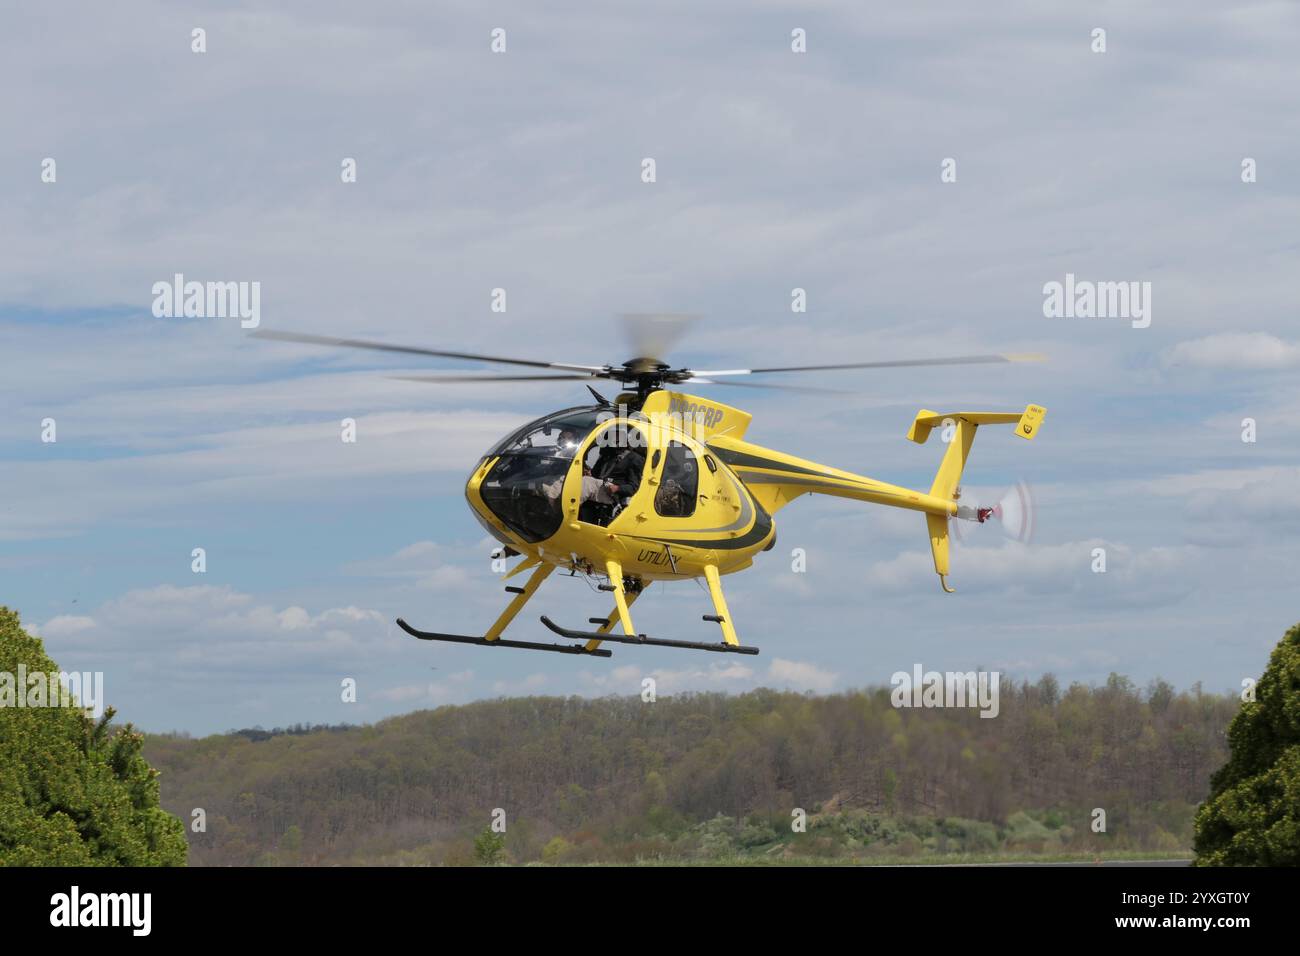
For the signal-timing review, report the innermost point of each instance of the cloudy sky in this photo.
(522, 170)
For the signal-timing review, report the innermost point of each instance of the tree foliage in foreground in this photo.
(73, 791)
(1252, 817)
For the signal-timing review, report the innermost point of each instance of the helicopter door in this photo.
(612, 473)
(679, 485)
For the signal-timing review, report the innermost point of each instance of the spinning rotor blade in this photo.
(652, 335)
(768, 385)
(471, 379)
(306, 339)
(897, 363)
(1015, 512)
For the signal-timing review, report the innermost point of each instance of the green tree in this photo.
(291, 845)
(1252, 817)
(556, 850)
(72, 792)
(889, 787)
(489, 847)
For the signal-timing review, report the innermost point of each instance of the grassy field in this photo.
(950, 859)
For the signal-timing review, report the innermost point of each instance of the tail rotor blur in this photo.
(1015, 512)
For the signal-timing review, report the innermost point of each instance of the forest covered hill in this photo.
(709, 777)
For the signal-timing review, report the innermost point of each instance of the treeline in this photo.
(259, 734)
(708, 776)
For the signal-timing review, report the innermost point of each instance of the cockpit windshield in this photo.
(558, 434)
(523, 488)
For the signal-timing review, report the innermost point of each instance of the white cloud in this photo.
(801, 675)
(452, 689)
(64, 625)
(63, 495)
(407, 693)
(626, 679)
(531, 684)
(1152, 575)
(1236, 350)
(205, 627)
(733, 675)
(442, 569)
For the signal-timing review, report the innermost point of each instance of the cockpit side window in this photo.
(679, 484)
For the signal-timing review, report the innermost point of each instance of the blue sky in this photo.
(521, 170)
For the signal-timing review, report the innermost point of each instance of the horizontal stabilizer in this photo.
(1027, 422)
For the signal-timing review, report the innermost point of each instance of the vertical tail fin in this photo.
(948, 478)
(937, 526)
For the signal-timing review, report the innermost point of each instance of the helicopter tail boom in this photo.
(775, 478)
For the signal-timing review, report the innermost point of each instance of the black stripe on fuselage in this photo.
(740, 459)
(747, 462)
(761, 527)
(744, 460)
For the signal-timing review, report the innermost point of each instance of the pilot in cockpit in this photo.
(567, 446)
(622, 467)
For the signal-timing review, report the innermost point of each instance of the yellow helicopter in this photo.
(661, 485)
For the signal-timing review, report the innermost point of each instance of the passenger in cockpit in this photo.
(622, 468)
(592, 489)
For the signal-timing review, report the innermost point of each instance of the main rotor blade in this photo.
(471, 379)
(767, 385)
(306, 339)
(897, 363)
